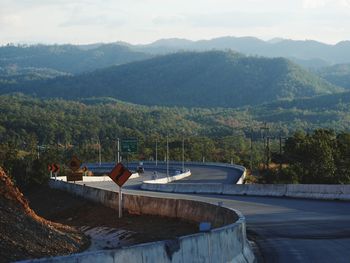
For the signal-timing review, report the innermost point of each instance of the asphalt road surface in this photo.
(285, 229)
(207, 174)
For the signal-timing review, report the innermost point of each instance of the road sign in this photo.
(120, 174)
(129, 146)
(75, 176)
(55, 168)
(74, 163)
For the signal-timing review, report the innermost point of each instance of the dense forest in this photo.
(189, 79)
(227, 107)
(35, 132)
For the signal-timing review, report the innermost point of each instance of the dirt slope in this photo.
(24, 235)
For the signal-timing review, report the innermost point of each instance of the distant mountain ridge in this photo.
(75, 59)
(68, 58)
(298, 49)
(190, 79)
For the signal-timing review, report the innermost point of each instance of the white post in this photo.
(50, 174)
(120, 201)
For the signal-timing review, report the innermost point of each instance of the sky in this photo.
(144, 21)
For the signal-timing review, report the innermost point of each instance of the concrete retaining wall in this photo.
(169, 179)
(312, 191)
(225, 243)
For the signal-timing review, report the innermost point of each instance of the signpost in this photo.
(120, 175)
(53, 169)
(74, 165)
(129, 146)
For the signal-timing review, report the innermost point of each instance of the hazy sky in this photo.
(143, 21)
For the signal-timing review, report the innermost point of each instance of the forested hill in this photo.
(337, 74)
(190, 79)
(68, 58)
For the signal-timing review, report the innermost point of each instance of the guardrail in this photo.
(226, 242)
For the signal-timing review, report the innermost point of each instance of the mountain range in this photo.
(305, 52)
(81, 58)
(190, 79)
(67, 58)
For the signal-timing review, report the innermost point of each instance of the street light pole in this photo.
(118, 149)
(266, 138)
(167, 156)
(156, 152)
(99, 151)
(251, 150)
(183, 154)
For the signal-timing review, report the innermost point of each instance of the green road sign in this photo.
(128, 146)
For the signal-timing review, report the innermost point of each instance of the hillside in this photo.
(67, 58)
(25, 235)
(190, 79)
(326, 111)
(338, 75)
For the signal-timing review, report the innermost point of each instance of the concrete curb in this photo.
(227, 243)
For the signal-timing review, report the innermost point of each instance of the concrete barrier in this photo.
(320, 191)
(227, 242)
(95, 178)
(169, 179)
(314, 191)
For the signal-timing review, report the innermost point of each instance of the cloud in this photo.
(312, 4)
(86, 21)
(239, 19)
(10, 21)
(169, 20)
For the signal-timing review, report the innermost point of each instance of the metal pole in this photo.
(251, 151)
(118, 149)
(99, 151)
(167, 156)
(183, 154)
(268, 152)
(120, 202)
(280, 152)
(156, 152)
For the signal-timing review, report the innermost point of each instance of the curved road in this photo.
(285, 229)
(207, 174)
